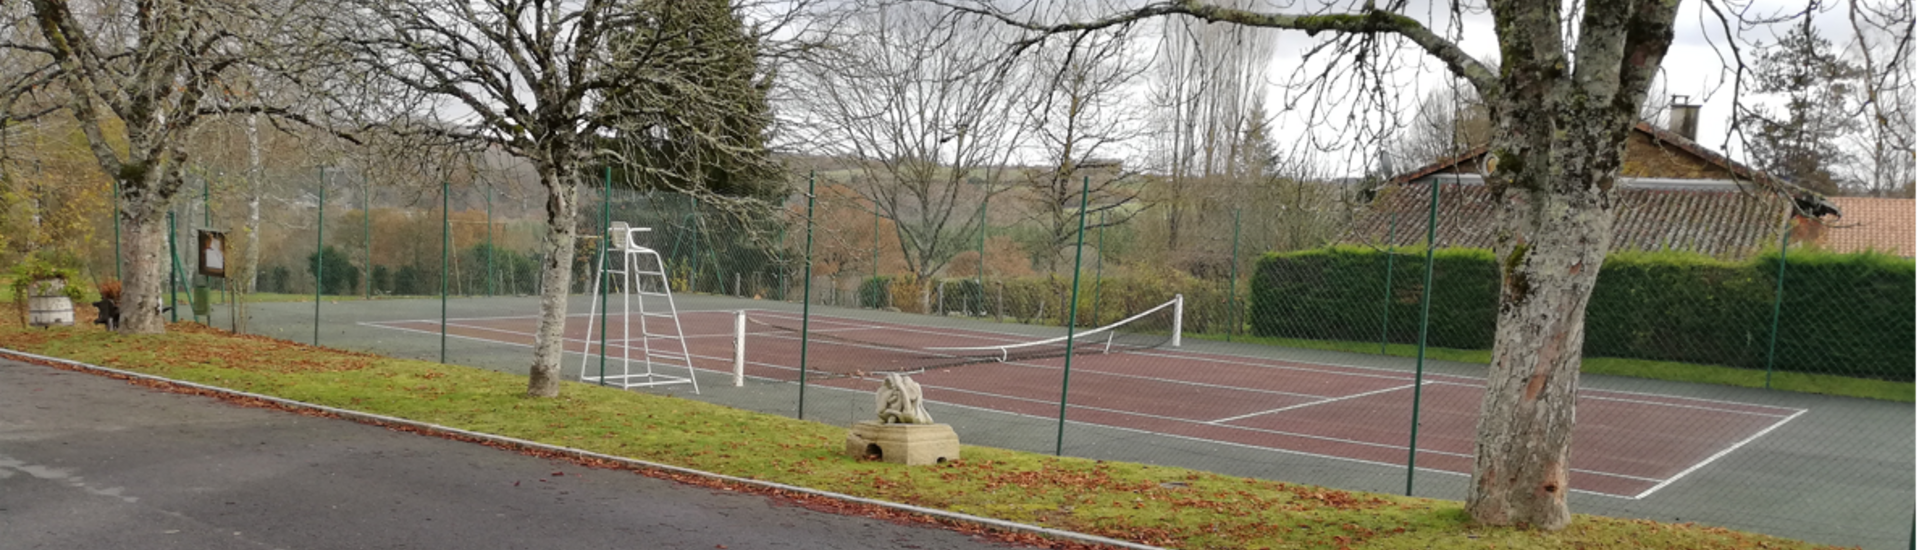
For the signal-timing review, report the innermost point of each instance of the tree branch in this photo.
(1374, 21)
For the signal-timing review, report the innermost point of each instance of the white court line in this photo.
(1674, 405)
(1016, 337)
(1309, 367)
(1717, 456)
(1319, 402)
(1400, 376)
(784, 336)
(1101, 409)
(1161, 434)
(609, 340)
(1264, 362)
(436, 320)
(1024, 364)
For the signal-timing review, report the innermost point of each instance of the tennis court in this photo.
(1626, 445)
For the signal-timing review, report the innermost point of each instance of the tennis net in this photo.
(845, 347)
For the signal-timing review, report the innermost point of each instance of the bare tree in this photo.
(1082, 117)
(926, 115)
(536, 79)
(1450, 120)
(1210, 78)
(140, 79)
(1567, 94)
(1882, 45)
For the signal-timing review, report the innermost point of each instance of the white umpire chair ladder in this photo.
(642, 276)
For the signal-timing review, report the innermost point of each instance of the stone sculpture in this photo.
(904, 434)
(898, 401)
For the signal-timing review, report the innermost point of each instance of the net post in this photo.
(739, 348)
(1179, 316)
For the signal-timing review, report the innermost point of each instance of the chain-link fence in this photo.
(1729, 389)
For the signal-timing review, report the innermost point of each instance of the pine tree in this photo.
(720, 94)
(1801, 141)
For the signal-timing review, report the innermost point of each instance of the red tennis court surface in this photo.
(1625, 444)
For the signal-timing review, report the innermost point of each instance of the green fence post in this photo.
(206, 220)
(980, 277)
(1099, 269)
(489, 240)
(606, 247)
(319, 257)
(1778, 298)
(173, 276)
(446, 243)
(1072, 319)
(806, 296)
(877, 302)
(1425, 312)
(1232, 283)
(366, 212)
(1386, 304)
(117, 274)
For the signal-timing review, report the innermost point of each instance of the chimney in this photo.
(1685, 118)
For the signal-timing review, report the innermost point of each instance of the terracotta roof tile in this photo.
(1470, 159)
(1725, 223)
(1883, 225)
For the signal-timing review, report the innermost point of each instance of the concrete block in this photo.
(909, 444)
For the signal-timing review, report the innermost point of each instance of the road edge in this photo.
(495, 440)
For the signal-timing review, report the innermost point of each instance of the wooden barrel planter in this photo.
(48, 304)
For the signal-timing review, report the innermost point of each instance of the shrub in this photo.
(876, 292)
(412, 280)
(382, 280)
(339, 277)
(277, 279)
(1847, 314)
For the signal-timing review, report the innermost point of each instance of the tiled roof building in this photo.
(1652, 215)
(1867, 223)
(1674, 195)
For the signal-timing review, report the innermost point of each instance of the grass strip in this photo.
(1823, 384)
(1163, 506)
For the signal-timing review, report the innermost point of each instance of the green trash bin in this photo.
(202, 303)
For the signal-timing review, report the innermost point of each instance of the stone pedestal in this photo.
(909, 444)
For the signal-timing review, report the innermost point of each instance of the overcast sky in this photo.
(1692, 66)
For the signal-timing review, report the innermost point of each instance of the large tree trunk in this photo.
(1525, 428)
(1554, 175)
(145, 231)
(556, 278)
(1556, 152)
(252, 265)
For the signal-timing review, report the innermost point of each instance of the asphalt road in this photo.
(92, 462)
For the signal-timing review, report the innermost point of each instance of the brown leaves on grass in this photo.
(256, 353)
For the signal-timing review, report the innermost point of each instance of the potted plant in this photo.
(43, 293)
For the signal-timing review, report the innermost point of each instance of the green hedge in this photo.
(1340, 293)
(1845, 314)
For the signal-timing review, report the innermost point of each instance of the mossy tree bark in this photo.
(1561, 114)
(556, 276)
